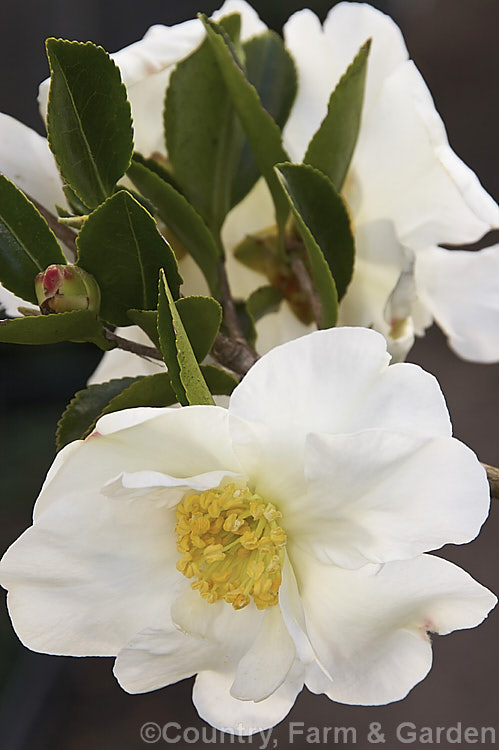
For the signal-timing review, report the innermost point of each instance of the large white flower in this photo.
(274, 544)
(406, 189)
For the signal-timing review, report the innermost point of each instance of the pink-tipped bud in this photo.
(66, 288)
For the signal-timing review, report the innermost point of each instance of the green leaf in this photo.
(326, 214)
(201, 317)
(148, 321)
(158, 167)
(203, 135)
(317, 209)
(185, 375)
(219, 382)
(331, 149)
(271, 70)
(181, 218)
(80, 415)
(262, 132)
(79, 325)
(27, 245)
(121, 247)
(89, 119)
(262, 301)
(88, 405)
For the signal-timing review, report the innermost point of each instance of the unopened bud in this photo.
(65, 288)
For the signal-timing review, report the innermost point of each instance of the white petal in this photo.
(348, 26)
(25, 158)
(9, 303)
(377, 496)
(251, 24)
(164, 489)
(265, 666)
(254, 214)
(120, 364)
(219, 623)
(180, 442)
(461, 289)
(322, 57)
(317, 77)
(378, 264)
(89, 593)
(369, 626)
(277, 327)
(293, 614)
(155, 658)
(211, 696)
(408, 173)
(338, 381)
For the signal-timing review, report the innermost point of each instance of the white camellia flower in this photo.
(407, 190)
(276, 543)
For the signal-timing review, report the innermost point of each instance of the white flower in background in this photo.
(407, 190)
(274, 544)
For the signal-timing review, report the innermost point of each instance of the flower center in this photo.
(233, 546)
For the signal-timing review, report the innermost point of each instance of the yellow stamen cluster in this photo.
(232, 544)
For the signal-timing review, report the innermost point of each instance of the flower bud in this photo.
(65, 288)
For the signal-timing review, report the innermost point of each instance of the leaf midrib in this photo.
(82, 132)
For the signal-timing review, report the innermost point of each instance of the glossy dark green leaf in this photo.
(201, 317)
(27, 245)
(87, 406)
(181, 218)
(271, 70)
(331, 149)
(121, 247)
(158, 167)
(148, 321)
(261, 131)
(326, 215)
(89, 119)
(185, 375)
(79, 325)
(80, 415)
(203, 135)
(316, 208)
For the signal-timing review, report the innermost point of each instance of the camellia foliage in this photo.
(275, 187)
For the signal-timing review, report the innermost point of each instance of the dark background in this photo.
(74, 704)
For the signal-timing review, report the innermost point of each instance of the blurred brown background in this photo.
(65, 704)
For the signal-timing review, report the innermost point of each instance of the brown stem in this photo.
(493, 477)
(229, 308)
(64, 233)
(304, 280)
(235, 354)
(232, 356)
(132, 346)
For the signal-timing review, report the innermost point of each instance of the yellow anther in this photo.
(233, 523)
(232, 545)
(278, 537)
(249, 540)
(213, 552)
(271, 513)
(255, 569)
